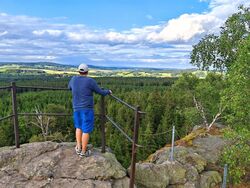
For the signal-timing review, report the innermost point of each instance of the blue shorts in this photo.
(84, 120)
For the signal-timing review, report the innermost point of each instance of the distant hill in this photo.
(91, 66)
(50, 68)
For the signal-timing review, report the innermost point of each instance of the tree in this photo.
(206, 53)
(237, 94)
(44, 123)
(235, 30)
(219, 52)
(207, 98)
(197, 96)
(60, 122)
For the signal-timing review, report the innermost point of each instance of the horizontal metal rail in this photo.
(44, 88)
(66, 89)
(123, 102)
(6, 87)
(126, 104)
(120, 129)
(44, 114)
(48, 114)
(6, 117)
(141, 112)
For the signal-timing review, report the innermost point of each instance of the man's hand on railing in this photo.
(110, 92)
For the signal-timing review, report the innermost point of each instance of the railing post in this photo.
(103, 118)
(172, 146)
(15, 114)
(135, 140)
(224, 183)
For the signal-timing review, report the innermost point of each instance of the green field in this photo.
(65, 70)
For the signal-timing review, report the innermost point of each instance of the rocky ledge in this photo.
(49, 164)
(195, 165)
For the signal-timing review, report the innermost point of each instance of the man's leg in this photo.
(78, 137)
(85, 140)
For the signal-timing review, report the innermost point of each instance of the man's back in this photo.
(82, 90)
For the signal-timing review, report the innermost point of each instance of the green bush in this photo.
(55, 137)
(237, 154)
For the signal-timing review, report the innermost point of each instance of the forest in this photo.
(184, 102)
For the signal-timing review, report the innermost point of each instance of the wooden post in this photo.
(15, 114)
(103, 118)
(135, 141)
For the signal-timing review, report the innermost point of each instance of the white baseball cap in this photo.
(83, 68)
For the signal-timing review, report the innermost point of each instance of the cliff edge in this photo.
(50, 164)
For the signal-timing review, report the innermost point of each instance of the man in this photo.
(82, 88)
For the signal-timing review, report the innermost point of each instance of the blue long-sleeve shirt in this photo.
(82, 88)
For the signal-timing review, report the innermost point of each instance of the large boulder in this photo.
(49, 164)
(184, 156)
(210, 179)
(151, 175)
(209, 147)
(196, 159)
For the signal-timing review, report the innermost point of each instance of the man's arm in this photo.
(98, 90)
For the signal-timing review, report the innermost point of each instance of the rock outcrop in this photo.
(49, 164)
(195, 165)
(52, 165)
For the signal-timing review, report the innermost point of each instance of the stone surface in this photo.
(49, 164)
(150, 175)
(186, 185)
(121, 183)
(209, 147)
(176, 172)
(184, 156)
(159, 175)
(192, 174)
(210, 179)
(195, 165)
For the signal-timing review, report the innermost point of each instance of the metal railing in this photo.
(103, 116)
(134, 141)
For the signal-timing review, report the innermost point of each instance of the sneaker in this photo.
(87, 153)
(78, 151)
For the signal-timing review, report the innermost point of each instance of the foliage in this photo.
(237, 94)
(235, 30)
(229, 51)
(56, 137)
(237, 155)
(237, 99)
(205, 54)
(219, 52)
(207, 92)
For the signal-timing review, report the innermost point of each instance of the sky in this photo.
(116, 33)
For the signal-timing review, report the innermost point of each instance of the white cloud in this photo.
(37, 57)
(184, 28)
(188, 27)
(52, 32)
(3, 33)
(166, 44)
